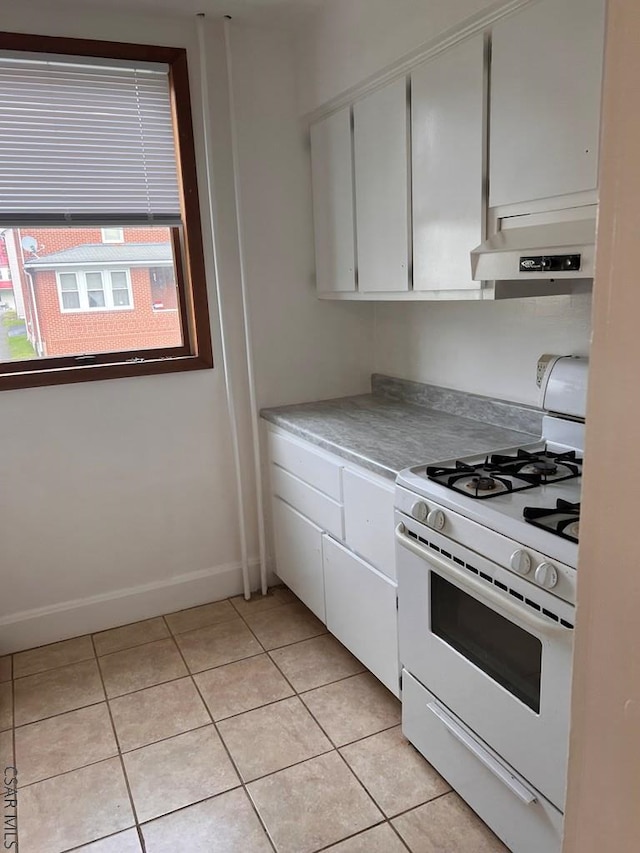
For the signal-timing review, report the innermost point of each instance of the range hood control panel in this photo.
(550, 263)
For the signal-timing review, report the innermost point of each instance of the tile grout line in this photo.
(61, 714)
(334, 749)
(190, 674)
(242, 783)
(54, 668)
(360, 832)
(171, 635)
(423, 803)
(121, 759)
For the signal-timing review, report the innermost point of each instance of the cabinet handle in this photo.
(484, 757)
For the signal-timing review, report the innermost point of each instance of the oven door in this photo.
(487, 644)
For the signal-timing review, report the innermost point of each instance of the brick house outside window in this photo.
(92, 292)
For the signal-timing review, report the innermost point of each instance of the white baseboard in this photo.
(44, 625)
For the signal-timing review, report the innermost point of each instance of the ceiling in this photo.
(280, 11)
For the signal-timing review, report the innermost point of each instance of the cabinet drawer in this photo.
(525, 828)
(368, 519)
(361, 611)
(320, 509)
(315, 468)
(298, 544)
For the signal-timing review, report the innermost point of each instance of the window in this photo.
(99, 212)
(112, 235)
(102, 290)
(163, 289)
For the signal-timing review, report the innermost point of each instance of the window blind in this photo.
(86, 144)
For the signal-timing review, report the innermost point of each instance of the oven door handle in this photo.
(477, 587)
(484, 756)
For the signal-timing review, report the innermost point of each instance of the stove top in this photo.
(512, 472)
(523, 493)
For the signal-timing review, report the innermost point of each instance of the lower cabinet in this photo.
(299, 556)
(368, 519)
(334, 548)
(361, 611)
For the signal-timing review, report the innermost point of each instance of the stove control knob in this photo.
(436, 519)
(547, 575)
(420, 511)
(521, 562)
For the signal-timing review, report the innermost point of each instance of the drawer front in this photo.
(465, 762)
(320, 509)
(315, 468)
(361, 611)
(369, 519)
(298, 545)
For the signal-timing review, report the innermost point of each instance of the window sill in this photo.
(102, 310)
(96, 372)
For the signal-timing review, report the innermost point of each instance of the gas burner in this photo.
(481, 486)
(550, 467)
(485, 480)
(543, 466)
(484, 484)
(564, 520)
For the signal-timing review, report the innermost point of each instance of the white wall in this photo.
(304, 349)
(118, 498)
(486, 348)
(351, 40)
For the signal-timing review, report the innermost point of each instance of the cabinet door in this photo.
(447, 132)
(546, 81)
(382, 189)
(361, 612)
(332, 178)
(368, 518)
(298, 544)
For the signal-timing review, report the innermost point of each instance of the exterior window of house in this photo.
(99, 213)
(163, 289)
(69, 293)
(112, 235)
(105, 290)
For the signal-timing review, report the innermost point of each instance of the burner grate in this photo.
(563, 520)
(549, 467)
(485, 480)
(500, 473)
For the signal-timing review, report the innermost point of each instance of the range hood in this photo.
(546, 247)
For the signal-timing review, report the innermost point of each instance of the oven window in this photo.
(506, 652)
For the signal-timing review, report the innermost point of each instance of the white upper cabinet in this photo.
(448, 104)
(332, 177)
(382, 189)
(546, 80)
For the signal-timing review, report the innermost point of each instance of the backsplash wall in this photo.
(488, 348)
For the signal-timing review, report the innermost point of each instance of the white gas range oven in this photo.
(486, 555)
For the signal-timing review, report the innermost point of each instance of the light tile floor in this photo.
(235, 727)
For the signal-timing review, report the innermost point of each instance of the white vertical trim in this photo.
(255, 425)
(214, 219)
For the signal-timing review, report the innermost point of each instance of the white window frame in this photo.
(119, 239)
(107, 285)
